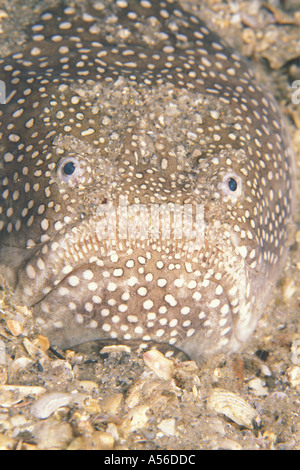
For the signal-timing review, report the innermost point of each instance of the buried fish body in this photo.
(146, 180)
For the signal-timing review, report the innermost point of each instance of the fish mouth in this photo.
(82, 287)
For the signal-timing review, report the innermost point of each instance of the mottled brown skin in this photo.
(140, 102)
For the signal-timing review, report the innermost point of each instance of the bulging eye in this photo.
(231, 185)
(71, 170)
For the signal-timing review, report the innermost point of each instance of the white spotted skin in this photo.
(142, 101)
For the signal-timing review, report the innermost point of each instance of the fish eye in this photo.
(231, 185)
(70, 170)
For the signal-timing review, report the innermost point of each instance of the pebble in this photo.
(295, 350)
(98, 441)
(19, 364)
(52, 434)
(229, 444)
(258, 387)
(293, 374)
(88, 386)
(168, 426)
(6, 443)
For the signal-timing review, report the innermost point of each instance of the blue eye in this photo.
(69, 168)
(232, 184)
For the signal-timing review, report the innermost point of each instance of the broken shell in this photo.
(42, 342)
(136, 418)
(288, 289)
(34, 351)
(115, 348)
(46, 405)
(234, 407)
(3, 374)
(112, 403)
(158, 363)
(6, 443)
(3, 14)
(24, 390)
(19, 364)
(15, 327)
(10, 395)
(92, 406)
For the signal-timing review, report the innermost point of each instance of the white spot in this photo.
(111, 286)
(132, 281)
(197, 296)
(178, 282)
(214, 303)
(106, 327)
(185, 310)
(225, 309)
(79, 319)
(30, 271)
(142, 291)
(132, 319)
(88, 275)
(160, 333)
(148, 304)
(192, 284)
(161, 282)
(73, 281)
(63, 291)
(92, 286)
(118, 272)
(170, 299)
(122, 308)
(190, 332)
(219, 290)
